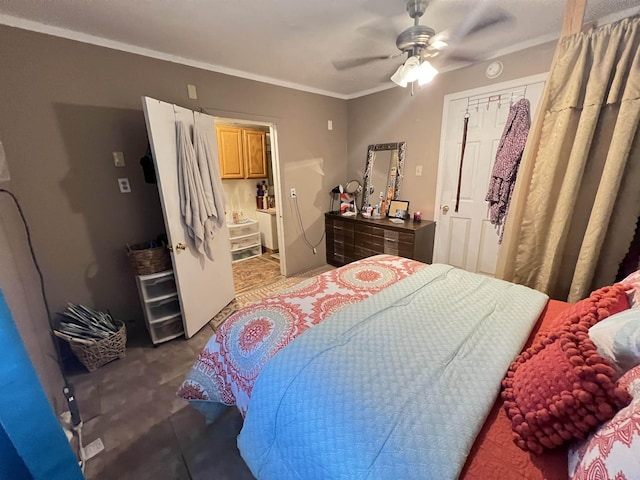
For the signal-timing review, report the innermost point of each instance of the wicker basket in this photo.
(101, 351)
(146, 261)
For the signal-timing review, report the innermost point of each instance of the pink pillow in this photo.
(612, 451)
(560, 389)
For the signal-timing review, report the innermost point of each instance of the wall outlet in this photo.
(123, 183)
(293, 193)
(118, 159)
(418, 170)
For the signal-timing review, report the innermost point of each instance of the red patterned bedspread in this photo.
(229, 364)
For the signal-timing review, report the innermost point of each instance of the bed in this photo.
(382, 386)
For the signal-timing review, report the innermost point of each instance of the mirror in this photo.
(383, 173)
(353, 186)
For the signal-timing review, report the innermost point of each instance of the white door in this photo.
(466, 239)
(204, 286)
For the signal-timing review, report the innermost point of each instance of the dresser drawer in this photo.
(401, 249)
(371, 230)
(363, 252)
(399, 243)
(374, 243)
(402, 237)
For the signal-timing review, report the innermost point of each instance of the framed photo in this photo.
(398, 209)
(347, 204)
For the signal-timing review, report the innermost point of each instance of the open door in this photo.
(204, 286)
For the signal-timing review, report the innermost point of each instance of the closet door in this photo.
(204, 286)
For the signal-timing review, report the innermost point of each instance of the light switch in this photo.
(118, 159)
(123, 183)
(329, 125)
(418, 170)
(191, 90)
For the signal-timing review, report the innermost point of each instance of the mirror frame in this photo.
(371, 150)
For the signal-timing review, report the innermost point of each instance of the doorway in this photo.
(253, 208)
(466, 239)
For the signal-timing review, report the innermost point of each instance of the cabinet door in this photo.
(230, 152)
(255, 153)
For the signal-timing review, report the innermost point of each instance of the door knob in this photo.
(179, 247)
(445, 209)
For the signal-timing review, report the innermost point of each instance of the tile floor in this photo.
(149, 433)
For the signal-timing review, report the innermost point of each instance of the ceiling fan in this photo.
(421, 43)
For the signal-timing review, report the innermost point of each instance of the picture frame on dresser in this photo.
(398, 209)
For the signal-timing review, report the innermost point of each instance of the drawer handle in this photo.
(391, 240)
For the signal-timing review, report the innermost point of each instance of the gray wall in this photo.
(67, 105)
(394, 115)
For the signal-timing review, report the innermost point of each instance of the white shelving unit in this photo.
(161, 306)
(245, 240)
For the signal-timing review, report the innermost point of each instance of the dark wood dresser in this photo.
(353, 238)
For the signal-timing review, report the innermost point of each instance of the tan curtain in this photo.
(583, 199)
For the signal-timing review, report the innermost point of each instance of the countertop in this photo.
(270, 211)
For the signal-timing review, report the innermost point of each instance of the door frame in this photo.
(275, 165)
(484, 90)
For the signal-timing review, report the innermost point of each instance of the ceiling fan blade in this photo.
(382, 30)
(357, 62)
(461, 57)
(494, 18)
(475, 22)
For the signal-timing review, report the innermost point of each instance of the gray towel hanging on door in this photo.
(201, 193)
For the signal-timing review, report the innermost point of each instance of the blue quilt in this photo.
(396, 386)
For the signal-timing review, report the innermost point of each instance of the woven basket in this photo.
(101, 351)
(146, 261)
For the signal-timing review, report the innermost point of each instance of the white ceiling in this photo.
(289, 42)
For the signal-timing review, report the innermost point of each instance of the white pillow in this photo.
(618, 339)
(633, 282)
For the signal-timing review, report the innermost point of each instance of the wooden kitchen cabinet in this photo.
(242, 152)
(352, 238)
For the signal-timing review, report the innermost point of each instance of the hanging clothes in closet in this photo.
(201, 194)
(505, 168)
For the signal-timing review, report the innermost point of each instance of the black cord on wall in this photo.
(304, 235)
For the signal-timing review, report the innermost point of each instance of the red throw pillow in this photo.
(560, 388)
(602, 303)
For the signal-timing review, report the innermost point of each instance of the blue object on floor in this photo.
(32, 443)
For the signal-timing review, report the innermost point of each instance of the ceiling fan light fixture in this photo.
(412, 69)
(426, 73)
(407, 72)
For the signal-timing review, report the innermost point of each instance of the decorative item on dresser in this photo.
(353, 238)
